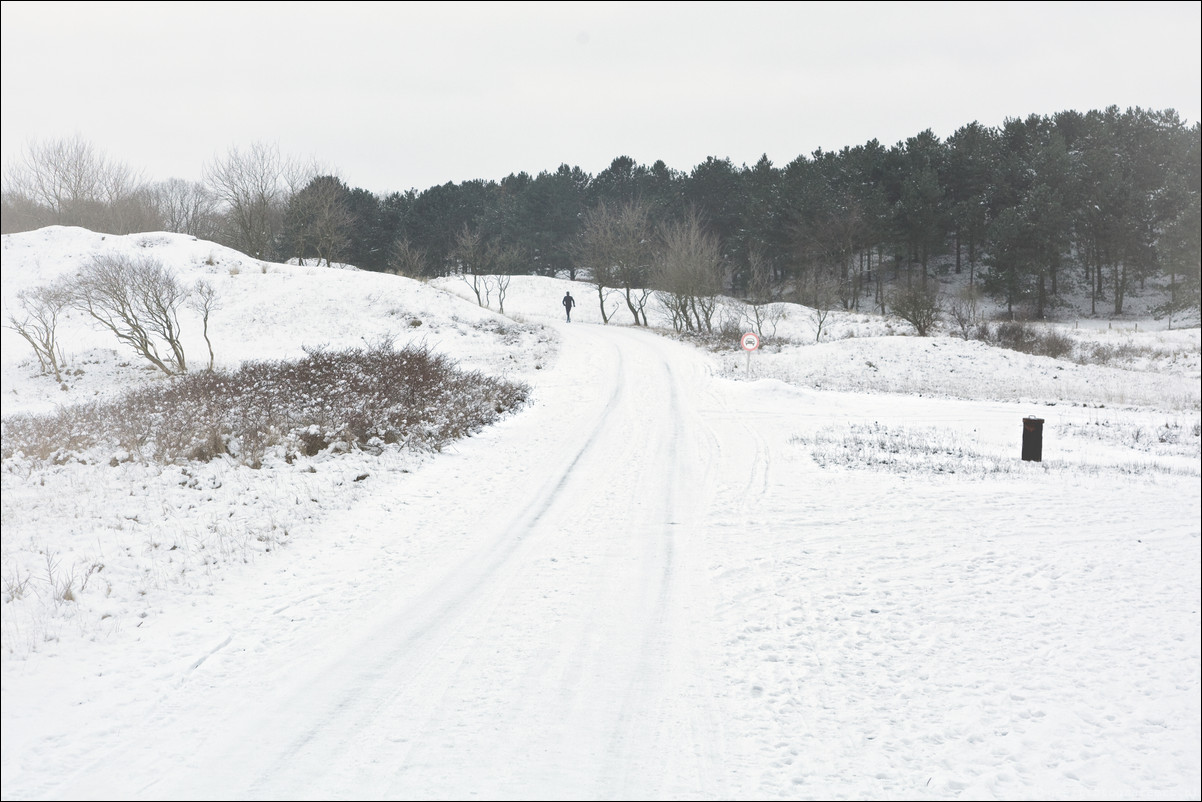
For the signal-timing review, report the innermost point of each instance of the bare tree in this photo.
(187, 207)
(762, 312)
(138, 300)
(635, 253)
(468, 255)
(919, 306)
(203, 299)
(406, 260)
(486, 267)
(594, 253)
(253, 188)
(688, 274)
(38, 324)
(504, 261)
(76, 185)
(19, 213)
(136, 211)
(617, 248)
(962, 309)
(825, 294)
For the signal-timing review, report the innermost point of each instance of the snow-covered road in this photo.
(558, 654)
(644, 586)
(544, 633)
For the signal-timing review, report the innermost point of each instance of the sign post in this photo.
(750, 341)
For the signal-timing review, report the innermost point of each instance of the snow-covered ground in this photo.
(818, 571)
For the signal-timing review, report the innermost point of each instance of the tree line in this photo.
(1101, 201)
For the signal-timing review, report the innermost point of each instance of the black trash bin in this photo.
(1033, 439)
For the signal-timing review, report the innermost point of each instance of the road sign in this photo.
(750, 341)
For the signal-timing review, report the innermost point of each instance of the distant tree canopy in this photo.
(1101, 201)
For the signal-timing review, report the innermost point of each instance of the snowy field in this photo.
(817, 571)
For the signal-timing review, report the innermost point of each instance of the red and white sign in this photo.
(750, 341)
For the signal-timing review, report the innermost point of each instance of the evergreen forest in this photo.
(1092, 203)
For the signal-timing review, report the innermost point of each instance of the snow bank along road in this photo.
(639, 588)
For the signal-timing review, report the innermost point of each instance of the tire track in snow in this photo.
(682, 732)
(426, 622)
(549, 658)
(643, 691)
(445, 615)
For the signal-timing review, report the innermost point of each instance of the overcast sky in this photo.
(393, 96)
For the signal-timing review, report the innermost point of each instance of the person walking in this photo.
(568, 303)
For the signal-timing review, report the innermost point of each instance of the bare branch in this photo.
(138, 301)
(203, 299)
(38, 324)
